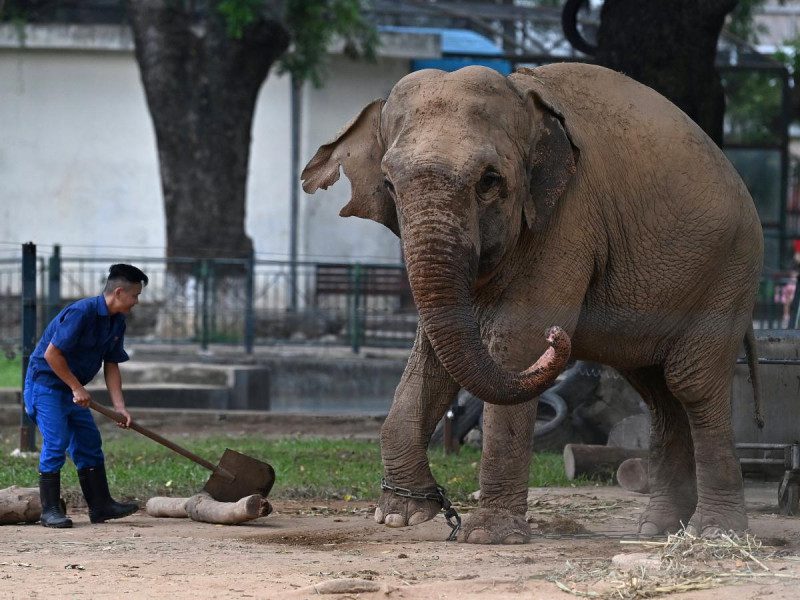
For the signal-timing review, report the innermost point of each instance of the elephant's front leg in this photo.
(507, 443)
(421, 399)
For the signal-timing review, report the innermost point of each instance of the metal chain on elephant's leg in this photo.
(439, 495)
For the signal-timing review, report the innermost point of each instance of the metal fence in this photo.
(229, 301)
(260, 302)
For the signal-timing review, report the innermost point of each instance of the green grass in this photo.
(10, 371)
(305, 468)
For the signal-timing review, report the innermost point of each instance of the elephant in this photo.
(566, 195)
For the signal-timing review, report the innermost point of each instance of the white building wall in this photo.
(78, 160)
(77, 151)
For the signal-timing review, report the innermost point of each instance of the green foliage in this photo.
(741, 22)
(753, 107)
(313, 24)
(305, 467)
(10, 372)
(239, 14)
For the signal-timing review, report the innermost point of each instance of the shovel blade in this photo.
(238, 475)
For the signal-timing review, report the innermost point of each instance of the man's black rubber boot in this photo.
(53, 514)
(102, 506)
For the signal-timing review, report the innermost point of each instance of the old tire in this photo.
(553, 429)
(471, 410)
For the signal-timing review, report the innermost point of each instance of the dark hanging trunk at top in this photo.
(201, 87)
(669, 45)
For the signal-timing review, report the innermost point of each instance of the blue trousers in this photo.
(65, 427)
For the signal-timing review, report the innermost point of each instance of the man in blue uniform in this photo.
(83, 337)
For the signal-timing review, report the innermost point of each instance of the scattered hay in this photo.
(687, 563)
(581, 506)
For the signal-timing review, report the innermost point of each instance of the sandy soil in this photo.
(306, 548)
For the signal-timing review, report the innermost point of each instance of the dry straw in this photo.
(687, 563)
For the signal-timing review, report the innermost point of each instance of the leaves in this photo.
(314, 24)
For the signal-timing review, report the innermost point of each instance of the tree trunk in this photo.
(19, 505)
(201, 87)
(670, 46)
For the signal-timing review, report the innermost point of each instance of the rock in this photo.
(631, 432)
(346, 586)
(636, 560)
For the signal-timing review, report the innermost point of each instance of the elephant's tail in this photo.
(752, 365)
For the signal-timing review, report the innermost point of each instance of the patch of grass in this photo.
(10, 371)
(305, 467)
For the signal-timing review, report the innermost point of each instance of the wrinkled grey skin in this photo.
(568, 195)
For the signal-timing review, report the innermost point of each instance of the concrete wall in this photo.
(78, 161)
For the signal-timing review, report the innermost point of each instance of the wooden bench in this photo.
(363, 280)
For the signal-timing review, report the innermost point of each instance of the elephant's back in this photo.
(631, 137)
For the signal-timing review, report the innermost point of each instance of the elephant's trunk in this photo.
(441, 263)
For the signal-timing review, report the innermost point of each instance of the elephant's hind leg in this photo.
(507, 436)
(673, 491)
(704, 390)
(422, 397)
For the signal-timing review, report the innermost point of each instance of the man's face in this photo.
(127, 297)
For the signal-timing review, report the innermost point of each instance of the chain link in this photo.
(440, 496)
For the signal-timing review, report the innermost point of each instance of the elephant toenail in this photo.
(394, 521)
(649, 528)
(378, 515)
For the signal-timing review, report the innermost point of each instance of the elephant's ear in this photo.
(553, 162)
(358, 149)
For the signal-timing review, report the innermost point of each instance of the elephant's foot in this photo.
(396, 511)
(494, 526)
(664, 516)
(710, 522)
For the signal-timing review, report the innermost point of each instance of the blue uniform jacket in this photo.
(87, 335)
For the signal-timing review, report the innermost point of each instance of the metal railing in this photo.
(223, 301)
(248, 302)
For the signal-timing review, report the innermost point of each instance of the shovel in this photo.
(235, 477)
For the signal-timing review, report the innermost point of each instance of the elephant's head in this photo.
(457, 164)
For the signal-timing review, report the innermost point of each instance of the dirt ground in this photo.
(305, 549)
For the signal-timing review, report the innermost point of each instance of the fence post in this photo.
(27, 433)
(204, 310)
(249, 315)
(355, 301)
(54, 284)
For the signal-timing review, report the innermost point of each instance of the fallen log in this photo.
(596, 461)
(202, 507)
(19, 505)
(633, 475)
(161, 506)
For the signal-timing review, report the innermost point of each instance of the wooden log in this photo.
(20, 505)
(202, 507)
(596, 461)
(633, 475)
(161, 506)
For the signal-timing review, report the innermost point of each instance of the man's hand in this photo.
(127, 416)
(80, 396)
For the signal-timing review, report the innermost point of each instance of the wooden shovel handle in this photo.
(115, 416)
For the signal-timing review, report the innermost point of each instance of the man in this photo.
(82, 337)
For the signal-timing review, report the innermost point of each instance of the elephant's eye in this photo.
(488, 181)
(388, 185)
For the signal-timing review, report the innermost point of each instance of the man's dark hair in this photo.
(123, 275)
